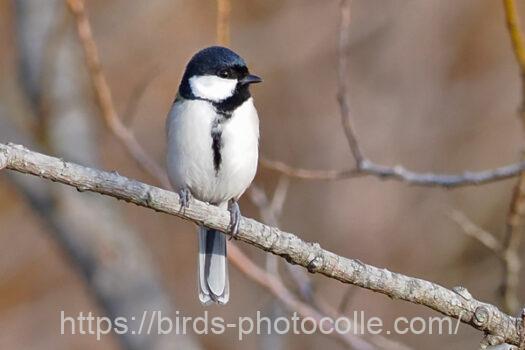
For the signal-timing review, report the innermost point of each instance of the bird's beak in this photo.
(250, 79)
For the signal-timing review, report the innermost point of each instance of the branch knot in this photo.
(317, 261)
(481, 316)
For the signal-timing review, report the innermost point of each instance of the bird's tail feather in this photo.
(213, 267)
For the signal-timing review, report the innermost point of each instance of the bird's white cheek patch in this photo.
(211, 87)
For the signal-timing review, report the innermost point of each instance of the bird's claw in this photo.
(235, 218)
(185, 196)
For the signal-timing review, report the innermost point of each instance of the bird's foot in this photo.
(235, 218)
(185, 196)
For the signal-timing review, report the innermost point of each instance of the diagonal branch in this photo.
(104, 97)
(455, 303)
(472, 230)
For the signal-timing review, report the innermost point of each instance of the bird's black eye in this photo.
(224, 73)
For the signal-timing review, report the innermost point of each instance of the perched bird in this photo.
(213, 141)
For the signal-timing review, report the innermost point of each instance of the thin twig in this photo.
(223, 22)
(506, 252)
(279, 196)
(342, 91)
(136, 95)
(345, 300)
(518, 45)
(365, 166)
(516, 214)
(270, 211)
(472, 230)
(516, 35)
(307, 174)
(103, 94)
(460, 305)
(398, 172)
(511, 244)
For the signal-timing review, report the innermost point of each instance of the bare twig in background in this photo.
(104, 98)
(224, 9)
(270, 210)
(307, 174)
(508, 250)
(342, 85)
(138, 92)
(472, 230)
(345, 300)
(514, 225)
(467, 178)
(511, 245)
(455, 303)
(365, 166)
(518, 44)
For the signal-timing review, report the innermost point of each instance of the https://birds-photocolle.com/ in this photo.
(212, 151)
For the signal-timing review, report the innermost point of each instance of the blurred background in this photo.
(433, 85)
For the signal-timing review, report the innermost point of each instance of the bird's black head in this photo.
(218, 75)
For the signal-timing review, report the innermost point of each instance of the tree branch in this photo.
(400, 173)
(342, 85)
(472, 230)
(104, 97)
(514, 225)
(365, 166)
(518, 44)
(224, 9)
(457, 303)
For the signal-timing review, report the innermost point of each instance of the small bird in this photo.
(212, 152)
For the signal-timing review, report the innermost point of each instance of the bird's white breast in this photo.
(190, 155)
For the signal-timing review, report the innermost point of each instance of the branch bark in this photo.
(456, 303)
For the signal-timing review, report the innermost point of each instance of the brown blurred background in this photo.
(433, 85)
